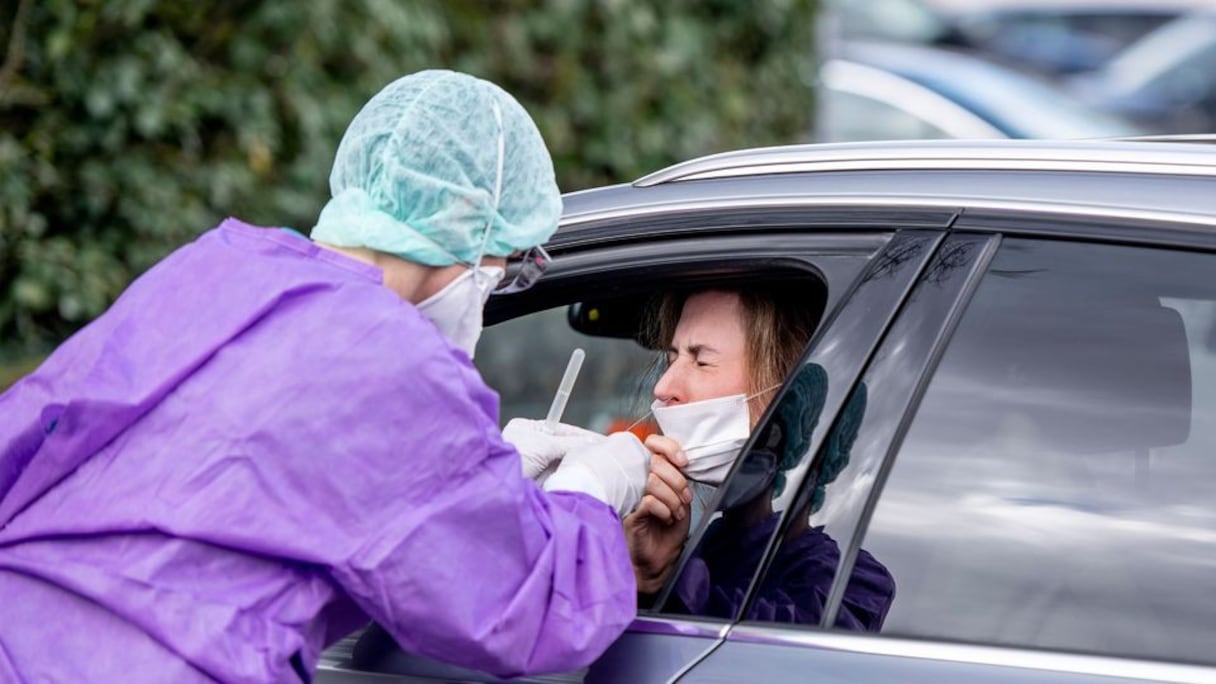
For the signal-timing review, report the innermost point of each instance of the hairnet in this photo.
(431, 163)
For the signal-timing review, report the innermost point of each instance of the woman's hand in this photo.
(666, 483)
(654, 546)
(656, 530)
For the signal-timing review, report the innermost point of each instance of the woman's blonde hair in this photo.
(778, 326)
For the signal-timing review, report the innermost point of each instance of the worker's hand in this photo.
(539, 448)
(665, 482)
(654, 545)
(612, 469)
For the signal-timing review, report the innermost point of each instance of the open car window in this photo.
(524, 359)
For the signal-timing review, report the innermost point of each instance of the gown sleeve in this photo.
(461, 558)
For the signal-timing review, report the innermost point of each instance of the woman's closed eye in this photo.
(704, 355)
(700, 355)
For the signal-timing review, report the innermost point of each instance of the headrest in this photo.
(1089, 376)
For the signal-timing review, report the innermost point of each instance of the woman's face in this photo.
(708, 354)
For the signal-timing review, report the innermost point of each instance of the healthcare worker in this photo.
(268, 441)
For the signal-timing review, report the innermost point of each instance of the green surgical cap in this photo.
(418, 171)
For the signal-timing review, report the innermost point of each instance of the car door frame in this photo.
(889, 274)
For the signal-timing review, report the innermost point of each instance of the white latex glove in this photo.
(613, 470)
(538, 448)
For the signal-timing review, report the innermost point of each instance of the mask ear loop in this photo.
(746, 399)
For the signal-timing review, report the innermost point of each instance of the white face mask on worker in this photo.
(457, 309)
(711, 432)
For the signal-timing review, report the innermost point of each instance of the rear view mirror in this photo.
(621, 318)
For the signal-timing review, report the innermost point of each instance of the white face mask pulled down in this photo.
(457, 309)
(711, 432)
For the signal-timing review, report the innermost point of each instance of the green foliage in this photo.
(13, 371)
(127, 127)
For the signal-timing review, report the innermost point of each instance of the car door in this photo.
(1033, 471)
(668, 637)
(862, 270)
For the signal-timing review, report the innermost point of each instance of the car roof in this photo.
(1151, 179)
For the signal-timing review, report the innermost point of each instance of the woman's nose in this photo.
(669, 388)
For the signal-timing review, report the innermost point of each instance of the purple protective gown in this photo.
(255, 450)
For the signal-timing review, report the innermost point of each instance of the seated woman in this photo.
(742, 344)
(717, 343)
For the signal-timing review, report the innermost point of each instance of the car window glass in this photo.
(795, 587)
(1054, 487)
(730, 538)
(824, 516)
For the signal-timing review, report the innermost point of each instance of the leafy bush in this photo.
(129, 126)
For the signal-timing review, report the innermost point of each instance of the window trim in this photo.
(976, 654)
(978, 267)
(835, 257)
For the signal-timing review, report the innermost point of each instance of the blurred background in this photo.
(1015, 68)
(127, 127)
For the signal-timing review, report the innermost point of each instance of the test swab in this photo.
(563, 390)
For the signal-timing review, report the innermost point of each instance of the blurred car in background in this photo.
(1051, 38)
(888, 91)
(1166, 81)
(1056, 37)
(905, 21)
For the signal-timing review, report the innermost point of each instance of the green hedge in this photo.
(129, 126)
